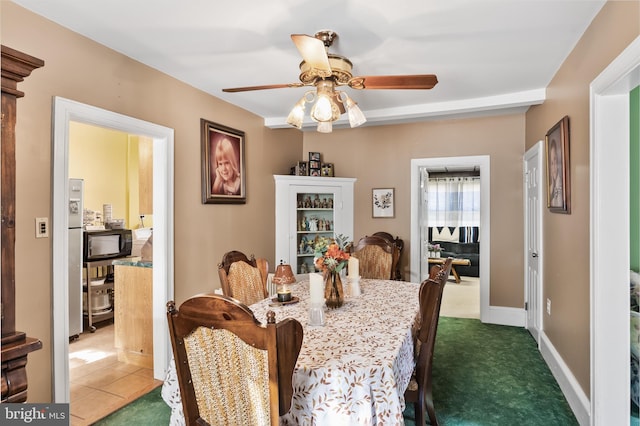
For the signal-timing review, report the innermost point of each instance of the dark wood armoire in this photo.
(16, 345)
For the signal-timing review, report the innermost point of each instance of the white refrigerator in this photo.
(76, 192)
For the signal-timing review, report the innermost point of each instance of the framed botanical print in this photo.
(558, 173)
(223, 173)
(383, 204)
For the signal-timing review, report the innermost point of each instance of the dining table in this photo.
(355, 368)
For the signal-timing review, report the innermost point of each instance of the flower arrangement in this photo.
(434, 247)
(434, 250)
(330, 254)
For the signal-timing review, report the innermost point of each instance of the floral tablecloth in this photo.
(352, 371)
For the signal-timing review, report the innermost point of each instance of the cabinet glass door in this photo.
(314, 219)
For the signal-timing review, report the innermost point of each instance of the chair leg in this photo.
(430, 409)
(418, 408)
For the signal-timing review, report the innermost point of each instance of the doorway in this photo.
(66, 111)
(609, 212)
(482, 163)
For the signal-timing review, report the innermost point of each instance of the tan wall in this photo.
(380, 157)
(79, 69)
(566, 237)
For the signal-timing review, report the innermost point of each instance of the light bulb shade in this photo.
(325, 126)
(356, 117)
(325, 107)
(283, 275)
(296, 116)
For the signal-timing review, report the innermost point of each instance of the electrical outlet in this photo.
(548, 306)
(42, 227)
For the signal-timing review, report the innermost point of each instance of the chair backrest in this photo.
(430, 298)
(399, 245)
(231, 369)
(376, 256)
(243, 278)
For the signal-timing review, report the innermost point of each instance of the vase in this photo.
(333, 292)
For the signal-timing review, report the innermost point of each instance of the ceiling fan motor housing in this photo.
(340, 70)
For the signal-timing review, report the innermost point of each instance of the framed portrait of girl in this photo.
(558, 176)
(223, 172)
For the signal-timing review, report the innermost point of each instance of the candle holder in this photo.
(354, 286)
(316, 314)
(282, 279)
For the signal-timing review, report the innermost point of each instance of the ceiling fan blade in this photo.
(313, 52)
(423, 81)
(267, 86)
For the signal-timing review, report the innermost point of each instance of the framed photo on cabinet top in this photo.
(558, 172)
(223, 173)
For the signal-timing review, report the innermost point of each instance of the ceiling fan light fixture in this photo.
(325, 107)
(296, 116)
(356, 117)
(325, 126)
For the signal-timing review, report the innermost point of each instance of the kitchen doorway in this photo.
(66, 111)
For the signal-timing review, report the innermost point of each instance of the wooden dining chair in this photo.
(231, 369)
(419, 391)
(243, 278)
(376, 256)
(399, 245)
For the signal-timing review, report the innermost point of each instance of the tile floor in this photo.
(100, 384)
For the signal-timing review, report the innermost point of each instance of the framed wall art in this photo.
(223, 173)
(558, 172)
(383, 203)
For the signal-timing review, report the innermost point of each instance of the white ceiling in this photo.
(490, 56)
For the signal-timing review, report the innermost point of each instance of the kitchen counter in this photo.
(133, 261)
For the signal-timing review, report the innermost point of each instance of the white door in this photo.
(533, 238)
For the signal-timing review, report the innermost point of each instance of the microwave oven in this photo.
(106, 244)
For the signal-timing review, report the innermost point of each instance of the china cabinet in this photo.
(16, 346)
(308, 208)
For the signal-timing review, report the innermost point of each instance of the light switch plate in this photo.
(42, 227)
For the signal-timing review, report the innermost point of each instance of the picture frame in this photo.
(301, 169)
(558, 171)
(327, 170)
(223, 170)
(383, 202)
(314, 164)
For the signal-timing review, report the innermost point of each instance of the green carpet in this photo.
(486, 374)
(483, 375)
(150, 409)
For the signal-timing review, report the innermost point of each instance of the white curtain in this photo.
(453, 201)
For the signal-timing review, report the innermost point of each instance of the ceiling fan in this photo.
(326, 71)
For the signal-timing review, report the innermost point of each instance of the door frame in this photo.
(483, 162)
(609, 228)
(65, 111)
(536, 150)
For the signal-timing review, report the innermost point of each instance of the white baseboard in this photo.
(570, 387)
(504, 316)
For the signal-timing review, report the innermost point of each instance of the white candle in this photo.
(354, 265)
(316, 288)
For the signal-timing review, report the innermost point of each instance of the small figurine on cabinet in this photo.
(316, 202)
(304, 269)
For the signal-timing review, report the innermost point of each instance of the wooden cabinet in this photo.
(308, 208)
(133, 322)
(15, 344)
